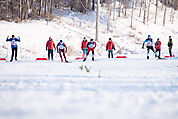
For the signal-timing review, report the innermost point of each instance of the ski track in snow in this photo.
(142, 88)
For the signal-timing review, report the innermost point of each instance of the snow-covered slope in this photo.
(72, 27)
(132, 88)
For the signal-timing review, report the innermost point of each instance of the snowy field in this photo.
(134, 88)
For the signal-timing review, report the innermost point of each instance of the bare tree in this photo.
(132, 13)
(114, 9)
(144, 16)
(148, 10)
(93, 6)
(119, 13)
(126, 1)
(164, 18)
(109, 14)
(156, 10)
(141, 4)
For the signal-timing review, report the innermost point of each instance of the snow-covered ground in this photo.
(132, 88)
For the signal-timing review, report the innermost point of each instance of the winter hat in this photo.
(84, 38)
(149, 35)
(13, 36)
(91, 40)
(61, 41)
(110, 39)
(169, 36)
(158, 39)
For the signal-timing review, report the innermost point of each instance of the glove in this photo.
(65, 51)
(57, 51)
(46, 49)
(7, 37)
(19, 37)
(106, 49)
(142, 47)
(114, 49)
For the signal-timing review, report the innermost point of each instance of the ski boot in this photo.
(159, 57)
(84, 59)
(93, 59)
(147, 57)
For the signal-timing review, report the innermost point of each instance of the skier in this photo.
(150, 42)
(14, 46)
(158, 48)
(84, 47)
(170, 44)
(49, 46)
(110, 46)
(91, 47)
(61, 48)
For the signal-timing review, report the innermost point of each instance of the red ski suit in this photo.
(158, 45)
(84, 44)
(91, 46)
(50, 45)
(110, 45)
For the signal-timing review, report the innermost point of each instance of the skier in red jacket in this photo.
(158, 48)
(110, 46)
(49, 46)
(62, 48)
(84, 47)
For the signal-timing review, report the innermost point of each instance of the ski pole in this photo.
(7, 48)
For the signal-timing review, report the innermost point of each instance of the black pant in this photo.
(170, 51)
(92, 54)
(14, 49)
(159, 50)
(150, 47)
(50, 51)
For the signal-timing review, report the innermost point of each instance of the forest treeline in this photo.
(18, 10)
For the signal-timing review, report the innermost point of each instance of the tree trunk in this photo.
(88, 5)
(164, 18)
(114, 9)
(156, 10)
(172, 10)
(144, 16)
(41, 7)
(132, 12)
(97, 20)
(26, 10)
(109, 15)
(119, 14)
(20, 9)
(148, 10)
(141, 8)
(126, 1)
(46, 6)
(93, 6)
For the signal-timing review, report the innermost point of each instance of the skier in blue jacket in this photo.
(149, 44)
(14, 46)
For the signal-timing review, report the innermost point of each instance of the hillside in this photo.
(72, 27)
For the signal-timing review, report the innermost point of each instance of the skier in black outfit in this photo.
(14, 46)
(170, 44)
